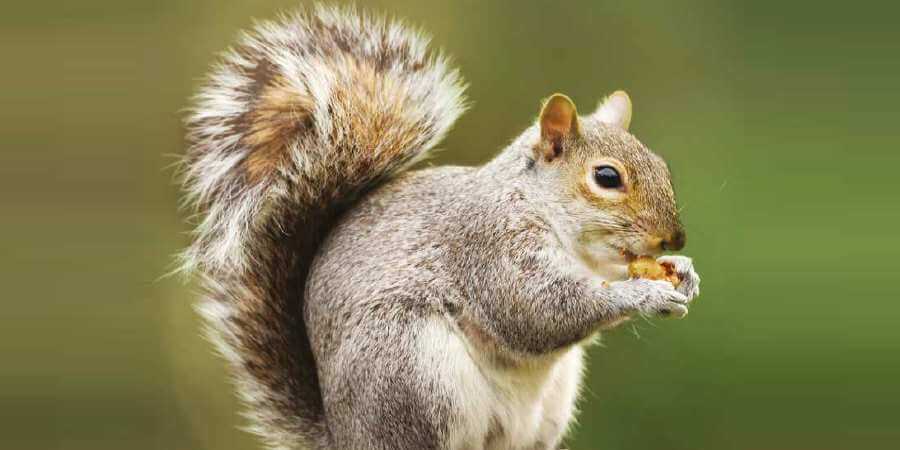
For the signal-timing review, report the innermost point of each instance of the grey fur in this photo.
(324, 302)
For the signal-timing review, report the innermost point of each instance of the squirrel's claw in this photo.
(684, 268)
(651, 298)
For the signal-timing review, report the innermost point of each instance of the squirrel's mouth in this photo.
(634, 251)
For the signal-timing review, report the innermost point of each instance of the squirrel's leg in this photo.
(377, 393)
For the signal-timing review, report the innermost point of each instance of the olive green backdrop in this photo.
(779, 120)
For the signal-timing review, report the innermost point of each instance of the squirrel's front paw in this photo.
(684, 268)
(652, 297)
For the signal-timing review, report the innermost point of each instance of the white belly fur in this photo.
(501, 408)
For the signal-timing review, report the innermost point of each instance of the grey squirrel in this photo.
(364, 307)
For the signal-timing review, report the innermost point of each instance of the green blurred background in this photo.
(778, 119)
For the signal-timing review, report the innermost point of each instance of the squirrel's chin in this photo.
(611, 272)
(605, 262)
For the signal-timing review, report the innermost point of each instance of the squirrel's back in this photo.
(293, 124)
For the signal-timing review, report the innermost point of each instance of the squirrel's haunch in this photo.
(296, 121)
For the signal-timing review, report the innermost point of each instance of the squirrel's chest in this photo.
(500, 409)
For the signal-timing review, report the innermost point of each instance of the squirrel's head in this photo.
(615, 195)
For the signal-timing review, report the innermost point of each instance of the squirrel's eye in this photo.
(607, 177)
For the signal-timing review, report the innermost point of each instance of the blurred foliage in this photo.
(778, 119)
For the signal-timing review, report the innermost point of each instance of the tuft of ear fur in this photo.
(615, 110)
(558, 121)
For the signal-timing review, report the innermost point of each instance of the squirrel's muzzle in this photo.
(675, 241)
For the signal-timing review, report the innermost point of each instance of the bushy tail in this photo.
(296, 121)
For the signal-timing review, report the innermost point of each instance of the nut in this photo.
(647, 267)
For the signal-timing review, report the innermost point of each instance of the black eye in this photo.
(607, 177)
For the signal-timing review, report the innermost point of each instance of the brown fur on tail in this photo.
(301, 117)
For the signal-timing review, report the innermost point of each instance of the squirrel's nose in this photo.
(675, 241)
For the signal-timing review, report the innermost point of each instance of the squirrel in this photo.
(363, 306)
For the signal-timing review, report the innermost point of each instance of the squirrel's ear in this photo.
(615, 110)
(559, 121)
